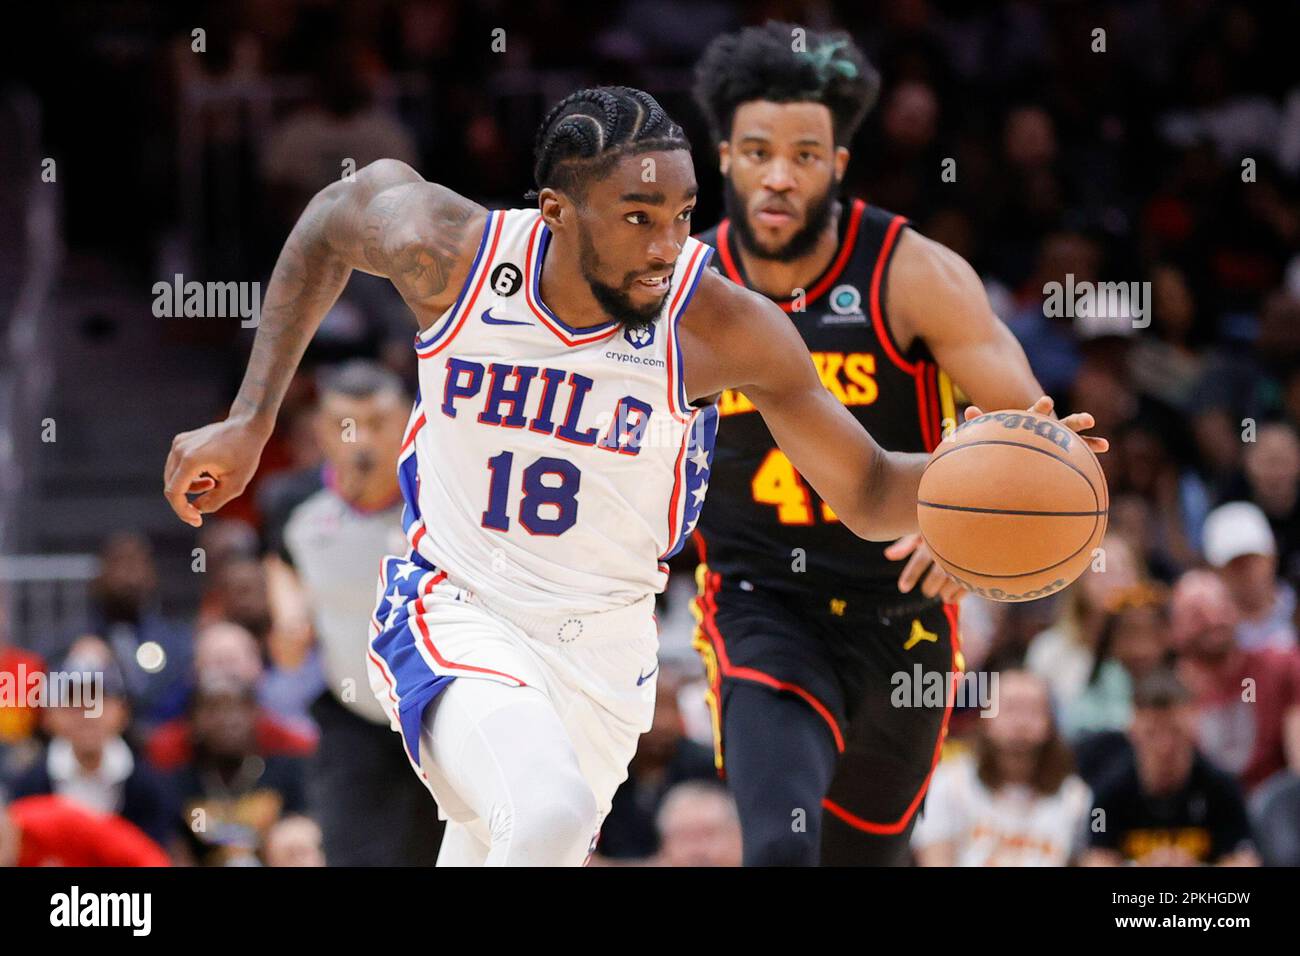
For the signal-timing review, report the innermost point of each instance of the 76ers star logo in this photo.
(640, 338)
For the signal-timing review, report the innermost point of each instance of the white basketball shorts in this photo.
(597, 670)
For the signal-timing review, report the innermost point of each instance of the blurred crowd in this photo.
(1150, 714)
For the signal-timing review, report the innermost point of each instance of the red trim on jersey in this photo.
(823, 284)
(701, 546)
(478, 287)
(419, 532)
(672, 333)
(724, 250)
(922, 405)
(936, 431)
(378, 662)
(926, 392)
(846, 250)
(713, 582)
(677, 484)
(877, 315)
(417, 612)
(899, 825)
(410, 435)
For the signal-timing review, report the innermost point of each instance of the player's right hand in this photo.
(1078, 422)
(215, 463)
(922, 567)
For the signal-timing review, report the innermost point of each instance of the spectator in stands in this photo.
(1048, 341)
(1132, 644)
(698, 826)
(49, 830)
(292, 676)
(1144, 478)
(223, 540)
(1272, 481)
(372, 809)
(231, 794)
(1239, 543)
(1066, 653)
(294, 841)
(339, 131)
(1167, 365)
(307, 150)
(230, 651)
(1014, 800)
(20, 670)
(665, 757)
(1053, 177)
(1169, 806)
(1247, 701)
(87, 760)
(152, 651)
(1218, 446)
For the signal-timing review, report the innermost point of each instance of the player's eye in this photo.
(685, 215)
(806, 157)
(757, 155)
(637, 218)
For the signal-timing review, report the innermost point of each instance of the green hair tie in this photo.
(823, 61)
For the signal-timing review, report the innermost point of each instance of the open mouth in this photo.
(654, 283)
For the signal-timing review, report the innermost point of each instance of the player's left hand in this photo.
(922, 567)
(1078, 423)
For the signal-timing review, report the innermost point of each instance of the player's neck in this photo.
(778, 280)
(566, 293)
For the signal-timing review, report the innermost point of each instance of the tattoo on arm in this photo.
(389, 222)
(419, 261)
(307, 280)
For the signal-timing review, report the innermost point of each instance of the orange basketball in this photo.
(1012, 505)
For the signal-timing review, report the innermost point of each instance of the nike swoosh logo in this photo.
(487, 317)
(645, 677)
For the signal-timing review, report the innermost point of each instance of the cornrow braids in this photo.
(588, 131)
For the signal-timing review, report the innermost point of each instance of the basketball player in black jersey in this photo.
(802, 625)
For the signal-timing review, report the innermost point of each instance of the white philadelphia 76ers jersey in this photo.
(547, 466)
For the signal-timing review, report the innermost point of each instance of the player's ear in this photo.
(841, 161)
(724, 157)
(555, 208)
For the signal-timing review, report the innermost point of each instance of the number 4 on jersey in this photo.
(777, 483)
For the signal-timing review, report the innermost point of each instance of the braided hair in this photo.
(761, 63)
(587, 132)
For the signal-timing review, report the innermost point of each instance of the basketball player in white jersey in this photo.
(557, 455)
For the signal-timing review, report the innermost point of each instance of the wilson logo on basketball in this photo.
(999, 594)
(1056, 434)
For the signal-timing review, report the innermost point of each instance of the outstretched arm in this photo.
(933, 294)
(388, 222)
(735, 338)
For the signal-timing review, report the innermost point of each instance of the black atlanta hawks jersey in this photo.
(763, 521)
